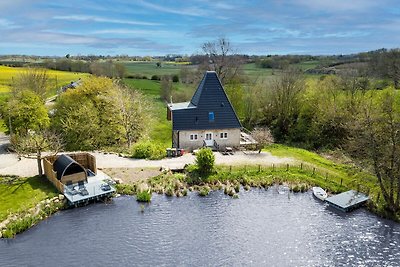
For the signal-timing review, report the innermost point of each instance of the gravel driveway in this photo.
(11, 165)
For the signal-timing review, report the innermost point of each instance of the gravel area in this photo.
(10, 164)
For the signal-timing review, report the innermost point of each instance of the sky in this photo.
(144, 27)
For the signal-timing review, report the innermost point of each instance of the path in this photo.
(11, 165)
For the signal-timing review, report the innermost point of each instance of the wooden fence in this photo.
(330, 176)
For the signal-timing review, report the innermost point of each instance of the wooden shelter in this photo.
(68, 168)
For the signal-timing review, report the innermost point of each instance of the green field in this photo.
(56, 78)
(161, 129)
(149, 69)
(23, 193)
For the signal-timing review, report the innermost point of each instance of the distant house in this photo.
(207, 120)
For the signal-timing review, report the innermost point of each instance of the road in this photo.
(10, 164)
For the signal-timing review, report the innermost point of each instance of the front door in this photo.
(209, 139)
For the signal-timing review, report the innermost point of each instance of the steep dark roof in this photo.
(209, 97)
(65, 165)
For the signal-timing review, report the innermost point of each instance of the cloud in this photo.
(339, 5)
(149, 33)
(57, 38)
(104, 19)
(176, 9)
(6, 24)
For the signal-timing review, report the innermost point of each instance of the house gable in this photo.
(209, 108)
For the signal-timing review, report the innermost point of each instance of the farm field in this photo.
(56, 78)
(149, 69)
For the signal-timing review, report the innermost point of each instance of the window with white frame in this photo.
(193, 137)
(223, 135)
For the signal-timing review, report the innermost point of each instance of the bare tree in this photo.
(35, 80)
(222, 59)
(34, 144)
(134, 113)
(166, 88)
(263, 137)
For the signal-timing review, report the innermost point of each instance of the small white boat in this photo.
(319, 193)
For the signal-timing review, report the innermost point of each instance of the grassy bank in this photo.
(310, 169)
(19, 194)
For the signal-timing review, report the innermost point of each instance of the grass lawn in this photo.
(56, 78)
(161, 130)
(335, 172)
(23, 193)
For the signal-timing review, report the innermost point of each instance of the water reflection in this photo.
(262, 227)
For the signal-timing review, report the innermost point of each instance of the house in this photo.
(207, 120)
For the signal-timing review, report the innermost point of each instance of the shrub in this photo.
(155, 78)
(204, 191)
(143, 196)
(148, 150)
(125, 189)
(205, 161)
(175, 78)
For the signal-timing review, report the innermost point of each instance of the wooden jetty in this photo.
(76, 176)
(347, 201)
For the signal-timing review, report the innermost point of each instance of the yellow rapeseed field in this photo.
(56, 78)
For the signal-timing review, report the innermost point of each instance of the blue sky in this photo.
(144, 27)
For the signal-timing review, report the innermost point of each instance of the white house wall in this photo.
(233, 139)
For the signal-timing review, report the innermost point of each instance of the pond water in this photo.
(261, 228)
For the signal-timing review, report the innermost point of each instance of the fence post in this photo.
(378, 197)
(245, 168)
(230, 169)
(341, 181)
(301, 165)
(326, 176)
(358, 188)
(259, 168)
(313, 171)
(273, 167)
(287, 167)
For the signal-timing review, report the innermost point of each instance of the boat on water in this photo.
(319, 193)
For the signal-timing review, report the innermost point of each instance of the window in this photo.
(208, 136)
(223, 135)
(193, 137)
(210, 116)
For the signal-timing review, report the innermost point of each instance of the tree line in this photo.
(98, 114)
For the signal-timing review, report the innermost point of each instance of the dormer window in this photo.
(211, 116)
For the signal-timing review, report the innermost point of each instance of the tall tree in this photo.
(221, 58)
(134, 113)
(25, 111)
(376, 138)
(88, 117)
(282, 103)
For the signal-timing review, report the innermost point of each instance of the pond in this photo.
(263, 227)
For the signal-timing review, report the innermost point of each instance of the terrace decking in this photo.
(96, 188)
(347, 201)
(76, 176)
